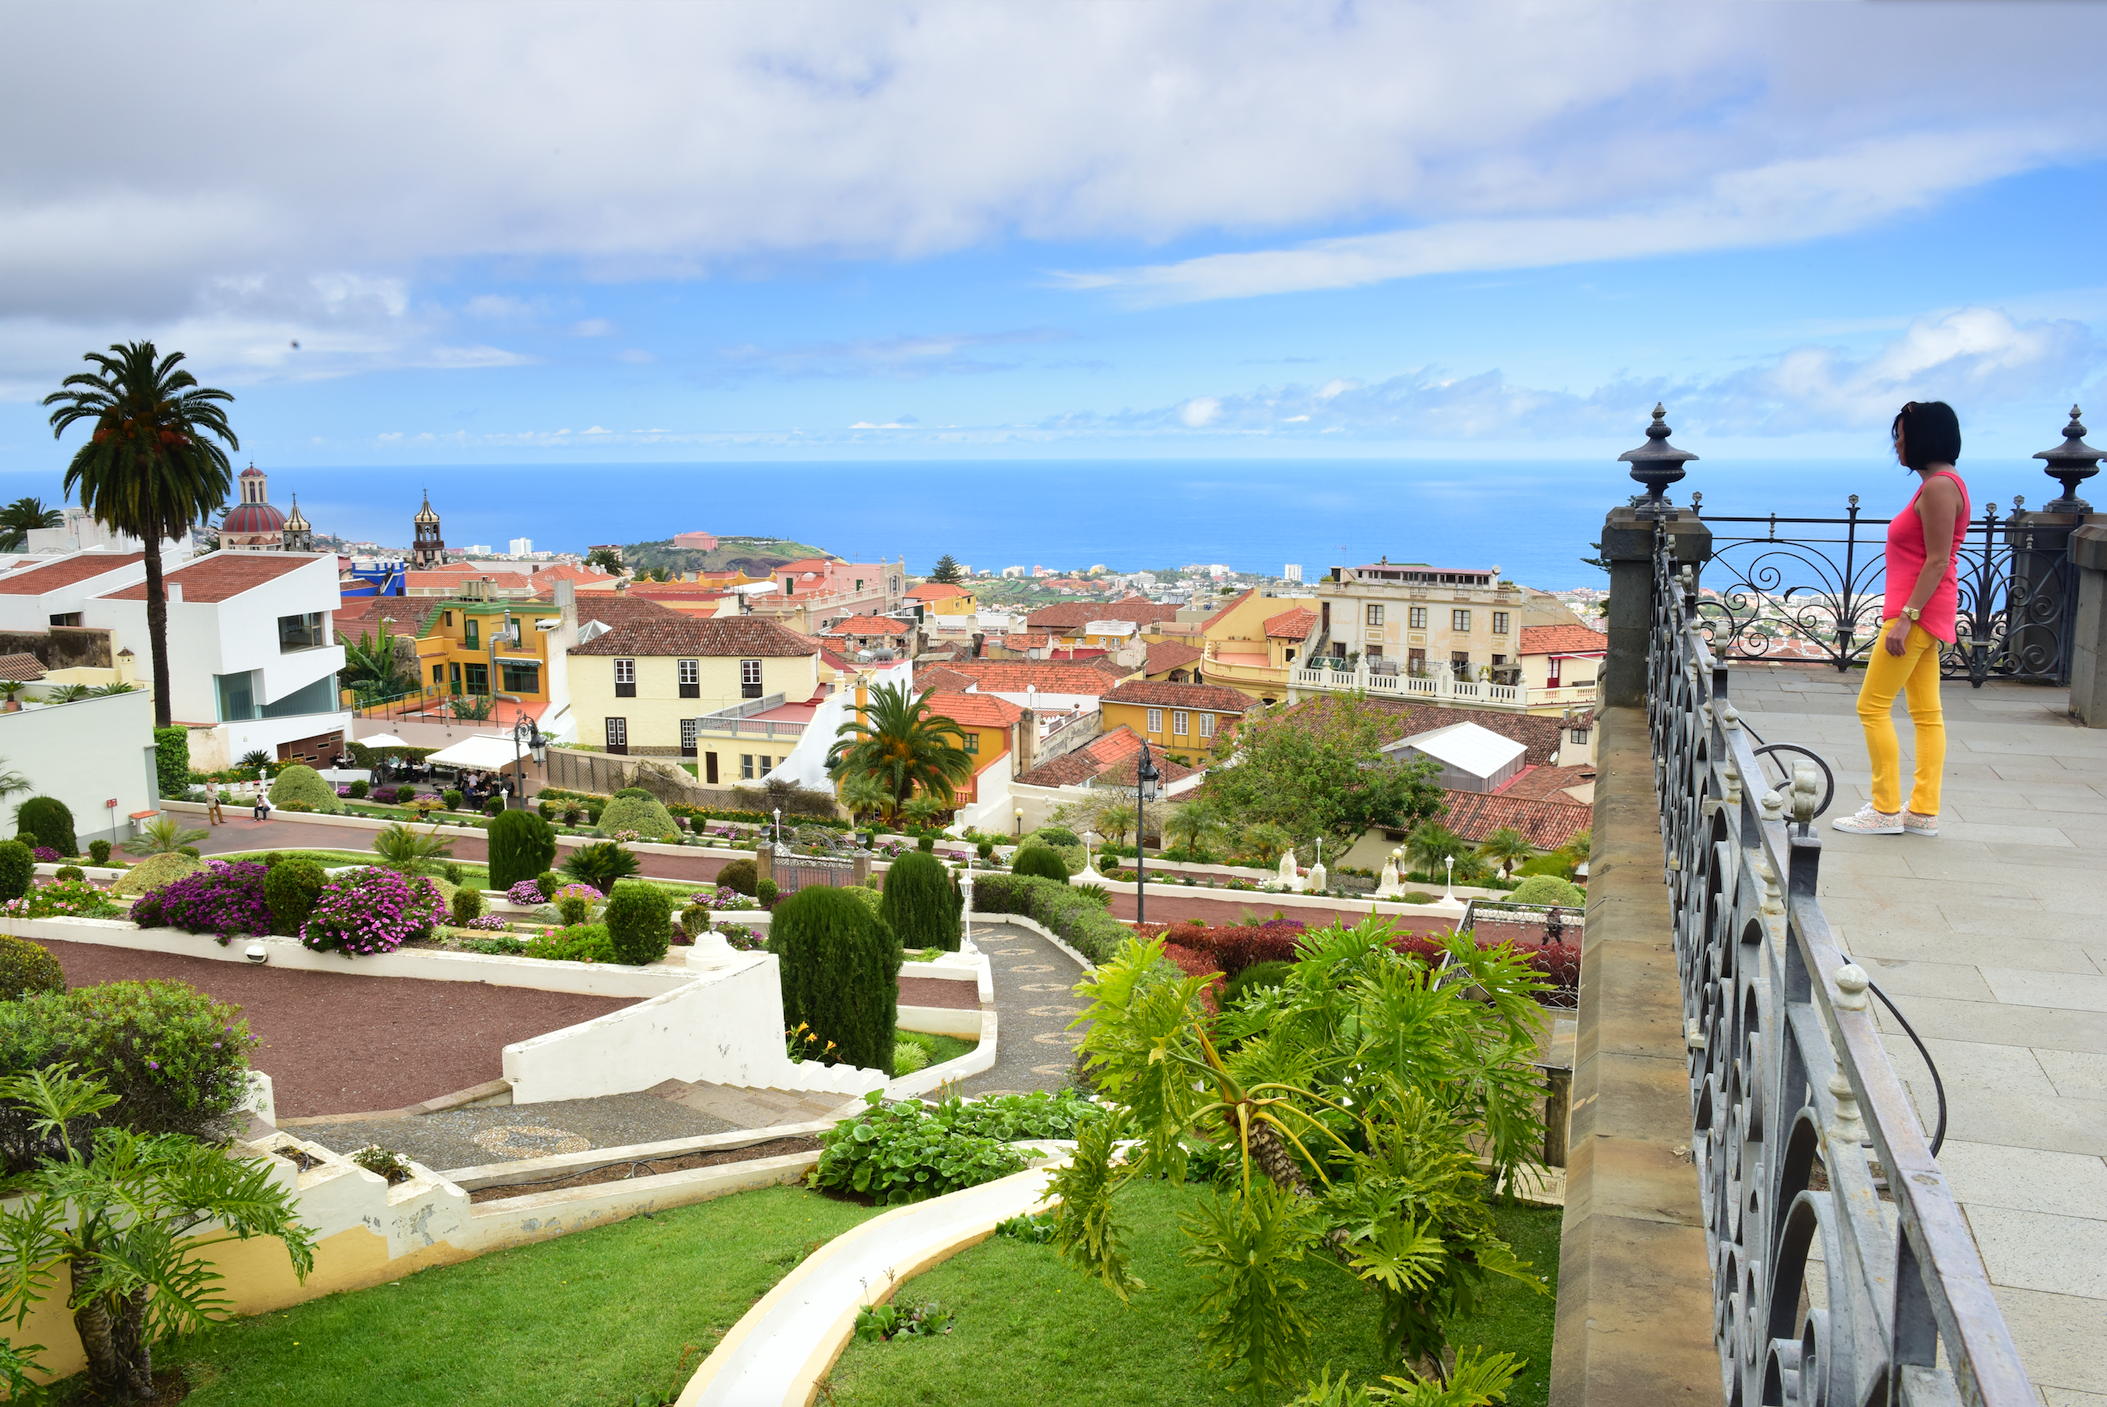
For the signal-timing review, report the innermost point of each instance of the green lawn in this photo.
(597, 1317)
(1031, 1331)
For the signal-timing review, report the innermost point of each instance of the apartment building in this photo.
(1417, 619)
(643, 686)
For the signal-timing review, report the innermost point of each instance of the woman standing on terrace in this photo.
(1924, 542)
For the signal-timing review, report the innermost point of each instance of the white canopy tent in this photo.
(483, 751)
(381, 742)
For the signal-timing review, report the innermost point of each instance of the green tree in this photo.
(606, 559)
(947, 570)
(132, 1220)
(1432, 842)
(895, 739)
(17, 518)
(922, 903)
(151, 466)
(522, 845)
(1192, 825)
(1505, 847)
(370, 664)
(1319, 769)
(841, 968)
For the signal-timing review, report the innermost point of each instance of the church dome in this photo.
(296, 523)
(425, 514)
(253, 518)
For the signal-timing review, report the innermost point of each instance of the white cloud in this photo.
(1199, 411)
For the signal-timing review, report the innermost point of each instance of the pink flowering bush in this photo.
(65, 898)
(371, 911)
(225, 899)
(488, 923)
(722, 897)
(527, 891)
(46, 855)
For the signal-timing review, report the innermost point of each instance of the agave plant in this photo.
(164, 835)
(405, 850)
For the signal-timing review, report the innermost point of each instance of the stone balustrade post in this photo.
(2088, 655)
(1627, 546)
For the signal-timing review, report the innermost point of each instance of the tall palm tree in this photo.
(150, 467)
(1193, 825)
(1506, 847)
(897, 740)
(1432, 842)
(20, 516)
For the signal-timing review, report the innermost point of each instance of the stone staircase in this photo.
(755, 1108)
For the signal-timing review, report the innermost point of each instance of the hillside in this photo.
(756, 556)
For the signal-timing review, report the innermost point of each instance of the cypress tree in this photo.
(921, 903)
(840, 973)
(522, 845)
(1040, 860)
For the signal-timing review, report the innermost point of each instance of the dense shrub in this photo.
(45, 821)
(149, 874)
(1548, 889)
(1258, 974)
(467, 905)
(601, 865)
(1233, 947)
(177, 1059)
(548, 882)
(453, 798)
(575, 902)
(522, 845)
(69, 872)
(1074, 917)
(225, 898)
(578, 942)
(302, 784)
(290, 888)
(1062, 842)
(1558, 864)
(98, 852)
(639, 921)
(172, 763)
(1040, 860)
(372, 910)
(739, 875)
(18, 869)
(405, 795)
(922, 903)
(765, 892)
(494, 805)
(27, 967)
(360, 790)
(840, 974)
(639, 811)
(67, 898)
(909, 1152)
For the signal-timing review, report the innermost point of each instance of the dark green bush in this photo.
(908, 1151)
(455, 875)
(49, 822)
(548, 882)
(598, 865)
(27, 967)
(290, 887)
(273, 857)
(766, 891)
(639, 921)
(1057, 835)
(467, 905)
(191, 850)
(172, 763)
(575, 909)
(740, 875)
(634, 791)
(1548, 889)
(1040, 860)
(453, 798)
(840, 974)
(69, 872)
(522, 845)
(18, 868)
(98, 852)
(494, 805)
(579, 942)
(360, 790)
(921, 903)
(926, 844)
(177, 1059)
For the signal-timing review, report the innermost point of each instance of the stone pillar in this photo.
(2088, 655)
(1627, 545)
(764, 859)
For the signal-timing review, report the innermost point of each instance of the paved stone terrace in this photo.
(1993, 939)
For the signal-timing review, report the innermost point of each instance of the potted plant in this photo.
(9, 688)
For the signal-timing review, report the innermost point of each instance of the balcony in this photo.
(1435, 688)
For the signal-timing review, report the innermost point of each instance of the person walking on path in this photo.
(212, 811)
(1917, 616)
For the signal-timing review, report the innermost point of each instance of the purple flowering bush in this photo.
(722, 897)
(46, 855)
(488, 923)
(527, 891)
(224, 899)
(577, 891)
(371, 911)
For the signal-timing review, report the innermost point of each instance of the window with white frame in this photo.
(1375, 615)
(1155, 720)
(746, 766)
(689, 673)
(749, 679)
(1180, 722)
(1459, 620)
(625, 679)
(1206, 725)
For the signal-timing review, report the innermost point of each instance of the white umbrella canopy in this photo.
(381, 742)
(479, 751)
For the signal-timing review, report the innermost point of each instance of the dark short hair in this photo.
(1931, 434)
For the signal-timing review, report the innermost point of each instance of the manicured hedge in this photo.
(172, 762)
(291, 887)
(303, 785)
(1073, 915)
(840, 975)
(27, 967)
(639, 921)
(1040, 860)
(522, 845)
(46, 821)
(18, 869)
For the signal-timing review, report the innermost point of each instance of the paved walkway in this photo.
(1034, 1002)
(1993, 938)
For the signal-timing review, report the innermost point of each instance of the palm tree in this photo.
(1115, 820)
(402, 849)
(1432, 842)
(1193, 825)
(1506, 847)
(164, 835)
(1267, 841)
(370, 665)
(20, 516)
(150, 467)
(896, 740)
(861, 795)
(120, 687)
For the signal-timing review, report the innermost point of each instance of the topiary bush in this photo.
(46, 821)
(921, 903)
(27, 967)
(639, 921)
(300, 783)
(740, 875)
(64, 872)
(1040, 860)
(548, 882)
(636, 810)
(1062, 842)
(522, 846)
(18, 869)
(494, 805)
(98, 852)
(765, 891)
(290, 888)
(840, 968)
(172, 763)
(453, 798)
(360, 790)
(1548, 889)
(467, 905)
(150, 873)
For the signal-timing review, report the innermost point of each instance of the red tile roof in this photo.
(221, 576)
(1161, 693)
(974, 710)
(1548, 783)
(566, 571)
(1047, 676)
(35, 579)
(359, 615)
(1109, 758)
(1291, 625)
(866, 625)
(942, 678)
(1073, 615)
(1541, 736)
(614, 610)
(937, 591)
(1167, 655)
(1547, 825)
(25, 668)
(676, 634)
(1562, 640)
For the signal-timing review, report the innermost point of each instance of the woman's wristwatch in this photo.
(1913, 612)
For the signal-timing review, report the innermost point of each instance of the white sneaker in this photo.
(1867, 821)
(1917, 824)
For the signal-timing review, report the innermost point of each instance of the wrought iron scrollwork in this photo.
(1800, 1125)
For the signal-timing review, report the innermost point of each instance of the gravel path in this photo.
(337, 1043)
(466, 1138)
(1034, 1004)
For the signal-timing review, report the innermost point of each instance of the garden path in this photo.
(1034, 1002)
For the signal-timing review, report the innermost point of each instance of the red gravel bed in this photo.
(939, 991)
(337, 1043)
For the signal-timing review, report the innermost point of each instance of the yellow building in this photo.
(1181, 719)
(643, 686)
(483, 647)
(1254, 641)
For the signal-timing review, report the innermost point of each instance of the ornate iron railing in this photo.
(793, 872)
(1805, 1143)
(1816, 591)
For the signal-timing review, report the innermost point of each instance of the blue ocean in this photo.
(1533, 519)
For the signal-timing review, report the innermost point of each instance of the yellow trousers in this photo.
(1915, 675)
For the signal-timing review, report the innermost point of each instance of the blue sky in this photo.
(540, 234)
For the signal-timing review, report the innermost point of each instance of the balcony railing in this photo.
(1440, 687)
(1842, 1269)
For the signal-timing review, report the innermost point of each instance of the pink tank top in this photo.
(1906, 560)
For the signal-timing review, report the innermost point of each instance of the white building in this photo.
(81, 533)
(522, 546)
(1293, 571)
(94, 754)
(1471, 758)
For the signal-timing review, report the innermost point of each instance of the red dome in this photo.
(253, 518)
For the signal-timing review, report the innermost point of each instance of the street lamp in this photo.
(1020, 823)
(1145, 778)
(527, 739)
